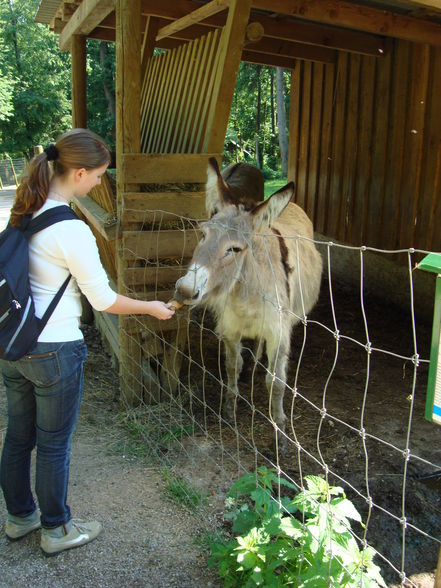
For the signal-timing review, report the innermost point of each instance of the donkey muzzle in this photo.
(190, 288)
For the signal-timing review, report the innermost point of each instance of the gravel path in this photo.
(148, 540)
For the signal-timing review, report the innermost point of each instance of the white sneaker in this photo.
(19, 527)
(72, 534)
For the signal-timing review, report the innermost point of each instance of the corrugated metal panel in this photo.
(366, 146)
(46, 11)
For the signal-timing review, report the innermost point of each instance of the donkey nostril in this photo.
(195, 296)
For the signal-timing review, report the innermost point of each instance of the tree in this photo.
(281, 120)
(6, 104)
(101, 89)
(34, 80)
(253, 130)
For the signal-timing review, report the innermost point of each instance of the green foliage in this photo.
(253, 124)
(35, 93)
(6, 104)
(305, 541)
(101, 89)
(34, 80)
(272, 186)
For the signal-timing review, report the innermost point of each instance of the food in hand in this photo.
(175, 304)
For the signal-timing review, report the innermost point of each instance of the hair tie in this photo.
(51, 152)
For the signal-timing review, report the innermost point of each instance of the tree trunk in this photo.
(259, 155)
(281, 119)
(273, 116)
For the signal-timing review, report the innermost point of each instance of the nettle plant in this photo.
(305, 541)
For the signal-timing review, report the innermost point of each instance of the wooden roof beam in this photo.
(357, 17)
(279, 27)
(426, 4)
(254, 33)
(324, 36)
(271, 60)
(170, 10)
(192, 18)
(85, 19)
(67, 11)
(271, 52)
(290, 50)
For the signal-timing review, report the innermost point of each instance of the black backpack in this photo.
(19, 327)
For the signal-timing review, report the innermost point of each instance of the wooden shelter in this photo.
(365, 124)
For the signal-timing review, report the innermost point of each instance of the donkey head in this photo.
(227, 239)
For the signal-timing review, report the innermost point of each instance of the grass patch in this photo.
(272, 186)
(181, 491)
(146, 433)
(146, 437)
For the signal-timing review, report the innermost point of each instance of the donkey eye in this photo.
(233, 250)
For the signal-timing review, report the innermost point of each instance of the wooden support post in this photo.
(230, 52)
(79, 83)
(438, 573)
(128, 97)
(130, 368)
(192, 18)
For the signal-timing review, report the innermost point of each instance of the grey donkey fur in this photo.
(257, 268)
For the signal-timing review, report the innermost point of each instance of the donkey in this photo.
(245, 182)
(257, 268)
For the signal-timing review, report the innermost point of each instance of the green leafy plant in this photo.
(305, 541)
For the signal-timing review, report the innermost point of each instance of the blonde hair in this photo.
(75, 149)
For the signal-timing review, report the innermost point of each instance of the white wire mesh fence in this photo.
(354, 397)
(11, 171)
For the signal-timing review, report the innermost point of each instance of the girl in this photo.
(44, 388)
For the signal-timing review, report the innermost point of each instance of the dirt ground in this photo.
(150, 540)
(399, 453)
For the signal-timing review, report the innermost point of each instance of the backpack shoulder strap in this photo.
(48, 218)
(53, 303)
(40, 222)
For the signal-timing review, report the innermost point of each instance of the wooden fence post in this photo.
(79, 82)
(13, 171)
(128, 140)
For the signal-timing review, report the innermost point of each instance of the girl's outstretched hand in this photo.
(160, 310)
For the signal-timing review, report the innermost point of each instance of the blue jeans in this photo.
(43, 392)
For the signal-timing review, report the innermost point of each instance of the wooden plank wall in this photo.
(366, 146)
(160, 226)
(175, 96)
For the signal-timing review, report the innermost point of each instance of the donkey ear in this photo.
(217, 193)
(265, 213)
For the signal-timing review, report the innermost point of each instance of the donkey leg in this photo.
(276, 383)
(233, 365)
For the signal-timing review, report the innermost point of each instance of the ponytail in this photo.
(76, 149)
(33, 189)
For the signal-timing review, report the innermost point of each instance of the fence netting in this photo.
(11, 170)
(354, 401)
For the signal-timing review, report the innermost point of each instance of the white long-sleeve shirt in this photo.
(66, 247)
